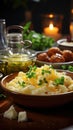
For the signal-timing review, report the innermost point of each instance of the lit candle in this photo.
(71, 30)
(51, 30)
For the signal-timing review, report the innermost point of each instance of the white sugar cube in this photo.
(10, 113)
(22, 116)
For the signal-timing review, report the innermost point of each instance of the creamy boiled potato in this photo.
(42, 80)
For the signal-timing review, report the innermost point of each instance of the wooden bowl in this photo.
(36, 101)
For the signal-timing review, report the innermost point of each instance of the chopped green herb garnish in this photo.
(59, 81)
(45, 80)
(45, 71)
(40, 82)
(22, 84)
(70, 68)
(32, 68)
(31, 73)
(51, 67)
(64, 67)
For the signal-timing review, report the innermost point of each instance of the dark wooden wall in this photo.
(16, 16)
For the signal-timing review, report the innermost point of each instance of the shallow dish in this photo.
(55, 56)
(36, 101)
(63, 44)
(55, 65)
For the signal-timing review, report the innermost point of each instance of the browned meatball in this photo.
(57, 58)
(53, 51)
(68, 55)
(43, 57)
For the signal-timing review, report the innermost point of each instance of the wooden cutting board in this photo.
(51, 119)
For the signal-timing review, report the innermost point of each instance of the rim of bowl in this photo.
(63, 40)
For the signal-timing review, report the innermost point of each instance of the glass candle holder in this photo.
(52, 25)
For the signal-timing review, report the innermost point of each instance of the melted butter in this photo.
(18, 57)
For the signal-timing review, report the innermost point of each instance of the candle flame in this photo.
(51, 15)
(51, 26)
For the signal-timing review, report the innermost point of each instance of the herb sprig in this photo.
(39, 41)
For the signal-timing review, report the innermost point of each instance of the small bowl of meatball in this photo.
(56, 57)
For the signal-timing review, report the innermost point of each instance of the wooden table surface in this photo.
(50, 118)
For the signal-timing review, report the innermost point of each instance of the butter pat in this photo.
(22, 116)
(10, 113)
